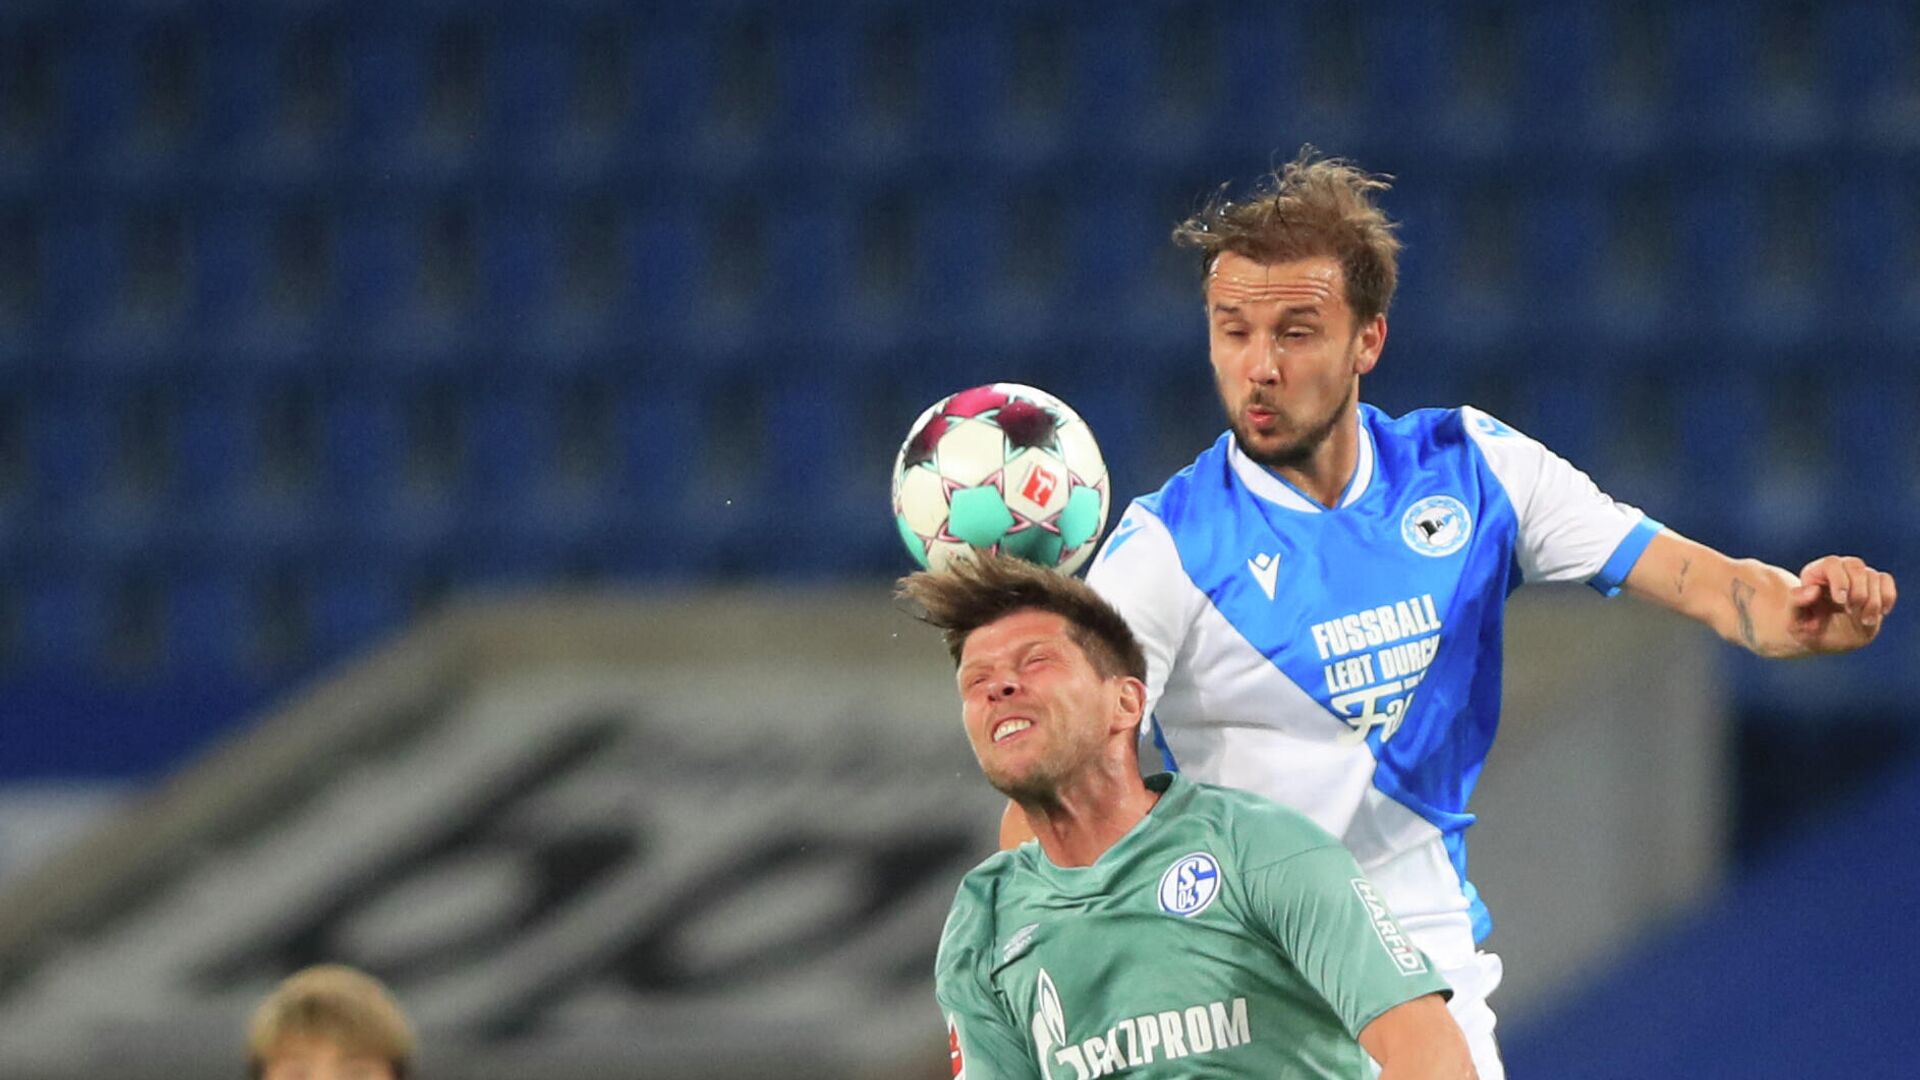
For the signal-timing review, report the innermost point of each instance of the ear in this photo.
(1373, 338)
(1131, 704)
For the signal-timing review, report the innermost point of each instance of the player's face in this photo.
(1036, 710)
(303, 1057)
(1287, 355)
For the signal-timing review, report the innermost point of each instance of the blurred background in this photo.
(444, 452)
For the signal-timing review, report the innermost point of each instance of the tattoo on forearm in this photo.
(1680, 577)
(1742, 596)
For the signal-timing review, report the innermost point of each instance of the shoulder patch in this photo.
(1409, 960)
(955, 1058)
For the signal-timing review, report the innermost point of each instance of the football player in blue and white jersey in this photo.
(1320, 594)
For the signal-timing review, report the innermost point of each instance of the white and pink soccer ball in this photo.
(1001, 467)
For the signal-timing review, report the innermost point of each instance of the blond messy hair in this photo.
(338, 1004)
(985, 587)
(1310, 207)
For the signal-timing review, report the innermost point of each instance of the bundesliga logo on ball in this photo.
(1001, 467)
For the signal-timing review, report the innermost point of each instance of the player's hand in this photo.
(1839, 604)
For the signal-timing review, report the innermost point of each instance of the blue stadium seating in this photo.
(1558, 83)
(310, 295)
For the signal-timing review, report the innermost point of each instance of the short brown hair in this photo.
(985, 588)
(1311, 206)
(339, 1004)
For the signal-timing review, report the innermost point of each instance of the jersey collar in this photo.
(1269, 485)
(1175, 792)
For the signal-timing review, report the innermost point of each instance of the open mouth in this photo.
(1008, 728)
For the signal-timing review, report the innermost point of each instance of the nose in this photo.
(1265, 368)
(1002, 688)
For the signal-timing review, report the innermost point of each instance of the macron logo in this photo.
(1266, 568)
(1122, 533)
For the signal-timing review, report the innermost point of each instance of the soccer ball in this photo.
(1001, 467)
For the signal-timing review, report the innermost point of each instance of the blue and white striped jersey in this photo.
(1346, 661)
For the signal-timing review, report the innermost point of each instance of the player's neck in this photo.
(1088, 816)
(1326, 472)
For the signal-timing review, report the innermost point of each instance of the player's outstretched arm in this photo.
(1836, 603)
(1418, 1040)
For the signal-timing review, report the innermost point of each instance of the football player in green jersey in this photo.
(1158, 927)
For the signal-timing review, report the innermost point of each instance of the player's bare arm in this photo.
(1836, 604)
(1418, 1040)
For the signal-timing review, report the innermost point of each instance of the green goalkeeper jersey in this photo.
(1223, 936)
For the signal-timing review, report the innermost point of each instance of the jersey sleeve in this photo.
(1569, 530)
(1138, 571)
(1329, 921)
(983, 1043)
(980, 1045)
